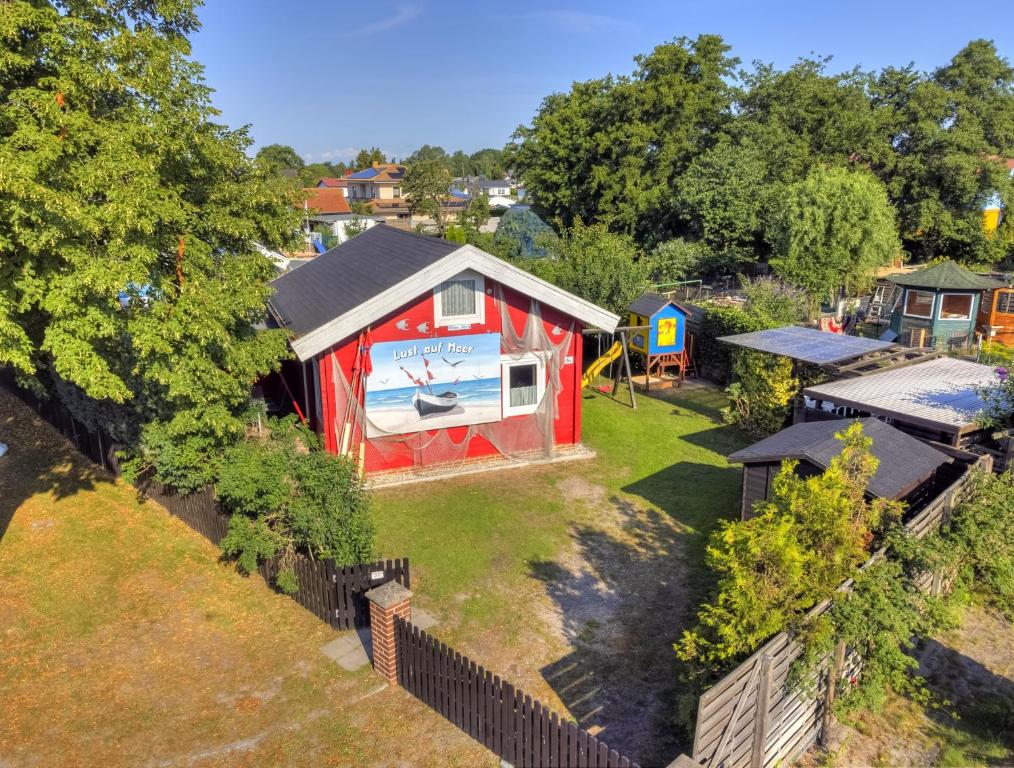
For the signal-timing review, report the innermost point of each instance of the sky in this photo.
(329, 78)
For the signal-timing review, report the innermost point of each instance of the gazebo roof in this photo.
(946, 275)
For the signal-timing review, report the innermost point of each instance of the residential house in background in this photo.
(331, 181)
(380, 187)
(328, 207)
(495, 187)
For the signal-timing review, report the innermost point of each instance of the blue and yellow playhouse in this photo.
(659, 332)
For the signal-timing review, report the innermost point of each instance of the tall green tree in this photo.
(280, 157)
(427, 185)
(368, 157)
(603, 267)
(833, 230)
(128, 217)
(611, 150)
(951, 134)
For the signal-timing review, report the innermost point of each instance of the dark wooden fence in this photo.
(505, 720)
(95, 444)
(333, 593)
(754, 718)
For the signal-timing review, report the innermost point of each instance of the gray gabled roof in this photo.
(379, 271)
(344, 277)
(905, 462)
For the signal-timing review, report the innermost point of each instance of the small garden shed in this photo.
(938, 305)
(906, 471)
(936, 400)
(414, 351)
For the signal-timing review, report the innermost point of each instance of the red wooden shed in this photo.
(414, 351)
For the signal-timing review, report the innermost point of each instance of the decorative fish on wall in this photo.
(423, 327)
(557, 330)
(401, 325)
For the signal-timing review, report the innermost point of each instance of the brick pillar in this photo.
(387, 601)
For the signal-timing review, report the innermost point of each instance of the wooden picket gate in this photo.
(512, 725)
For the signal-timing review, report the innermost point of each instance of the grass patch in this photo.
(472, 539)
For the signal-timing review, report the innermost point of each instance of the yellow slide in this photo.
(596, 368)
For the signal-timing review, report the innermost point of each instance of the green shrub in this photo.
(287, 495)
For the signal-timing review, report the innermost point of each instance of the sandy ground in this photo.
(972, 669)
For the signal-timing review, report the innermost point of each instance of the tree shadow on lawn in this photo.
(624, 600)
(39, 460)
(982, 702)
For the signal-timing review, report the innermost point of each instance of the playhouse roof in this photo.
(904, 461)
(378, 271)
(808, 345)
(939, 394)
(945, 275)
(647, 304)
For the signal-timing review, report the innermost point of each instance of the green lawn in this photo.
(526, 568)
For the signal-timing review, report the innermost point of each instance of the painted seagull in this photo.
(453, 365)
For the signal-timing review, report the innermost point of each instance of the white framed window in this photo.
(459, 301)
(523, 384)
(919, 303)
(955, 306)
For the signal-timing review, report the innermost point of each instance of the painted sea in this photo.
(391, 411)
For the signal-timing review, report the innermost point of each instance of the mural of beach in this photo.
(424, 384)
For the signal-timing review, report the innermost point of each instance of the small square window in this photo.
(1005, 303)
(524, 385)
(956, 306)
(521, 385)
(459, 301)
(919, 304)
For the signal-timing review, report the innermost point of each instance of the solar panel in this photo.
(808, 345)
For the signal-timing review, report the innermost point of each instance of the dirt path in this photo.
(614, 600)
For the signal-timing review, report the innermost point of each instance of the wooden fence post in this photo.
(833, 674)
(760, 723)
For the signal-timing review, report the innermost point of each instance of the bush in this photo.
(761, 396)
(287, 495)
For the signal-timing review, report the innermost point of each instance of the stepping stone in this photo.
(422, 619)
(351, 650)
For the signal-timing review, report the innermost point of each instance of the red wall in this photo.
(568, 424)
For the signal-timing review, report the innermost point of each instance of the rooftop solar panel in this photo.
(808, 345)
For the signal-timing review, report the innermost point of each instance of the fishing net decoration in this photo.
(529, 435)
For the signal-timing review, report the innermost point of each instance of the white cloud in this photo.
(580, 22)
(404, 13)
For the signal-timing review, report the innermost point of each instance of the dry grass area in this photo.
(125, 642)
(970, 669)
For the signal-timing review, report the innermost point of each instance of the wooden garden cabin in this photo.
(906, 471)
(939, 305)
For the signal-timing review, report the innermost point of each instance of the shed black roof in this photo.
(363, 267)
(904, 461)
(647, 304)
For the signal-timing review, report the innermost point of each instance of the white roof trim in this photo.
(465, 257)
